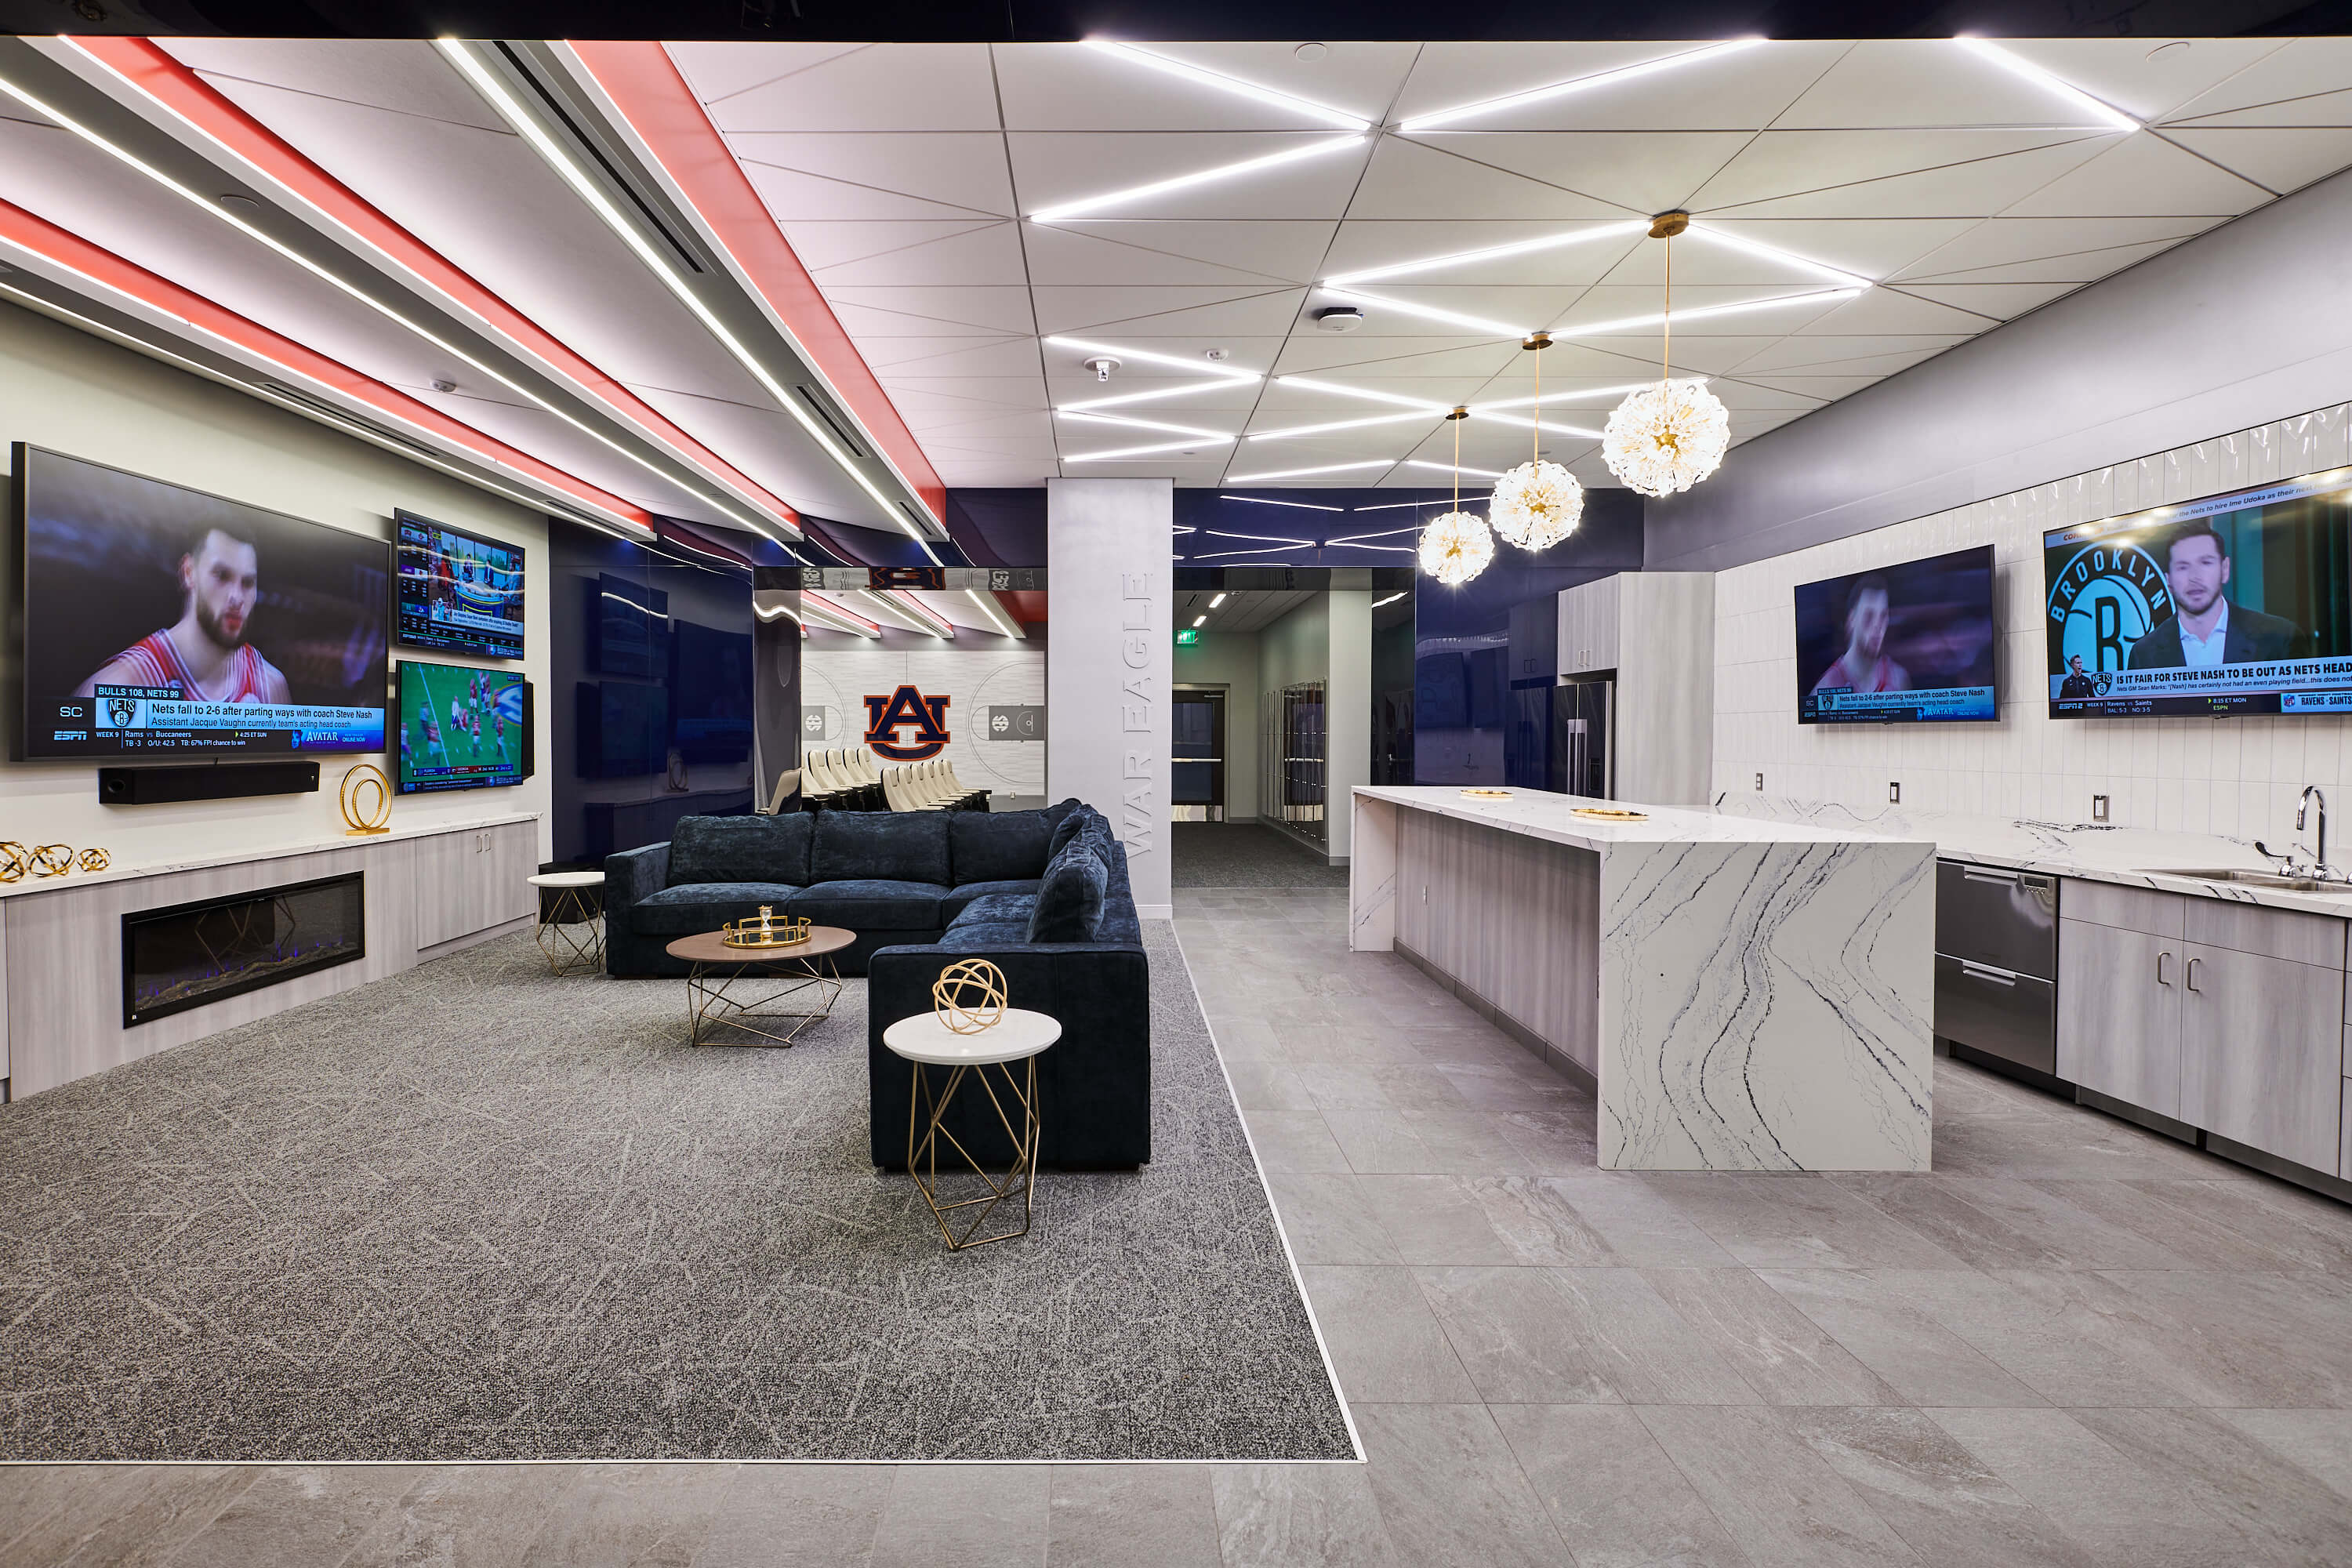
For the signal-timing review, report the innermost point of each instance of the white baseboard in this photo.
(1155, 912)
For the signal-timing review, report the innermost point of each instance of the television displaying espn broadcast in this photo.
(1905, 643)
(462, 728)
(2236, 603)
(161, 621)
(458, 592)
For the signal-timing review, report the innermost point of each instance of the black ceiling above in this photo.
(1037, 21)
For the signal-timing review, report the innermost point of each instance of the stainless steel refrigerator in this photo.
(1582, 759)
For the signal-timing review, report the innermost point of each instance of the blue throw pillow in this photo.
(1068, 827)
(1070, 899)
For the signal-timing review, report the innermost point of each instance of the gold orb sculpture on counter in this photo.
(53, 860)
(16, 861)
(365, 812)
(94, 860)
(969, 997)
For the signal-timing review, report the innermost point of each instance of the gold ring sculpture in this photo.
(95, 860)
(53, 860)
(969, 997)
(372, 817)
(15, 861)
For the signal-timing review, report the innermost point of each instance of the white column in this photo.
(1347, 714)
(1109, 656)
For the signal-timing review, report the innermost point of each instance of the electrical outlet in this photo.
(2098, 808)
(1894, 793)
(1759, 784)
(1425, 892)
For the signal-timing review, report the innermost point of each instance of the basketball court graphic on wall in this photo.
(1007, 760)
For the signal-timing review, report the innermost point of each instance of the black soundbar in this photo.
(204, 780)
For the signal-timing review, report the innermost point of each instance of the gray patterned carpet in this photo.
(476, 1213)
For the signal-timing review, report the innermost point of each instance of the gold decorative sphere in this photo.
(969, 997)
(95, 860)
(53, 860)
(16, 861)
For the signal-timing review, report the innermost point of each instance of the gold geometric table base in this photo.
(1022, 1174)
(712, 1003)
(567, 952)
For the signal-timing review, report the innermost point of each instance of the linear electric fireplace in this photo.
(190, 954)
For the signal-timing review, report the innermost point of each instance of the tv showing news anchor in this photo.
(161, 620)
(1910, 643)
(2236, 603)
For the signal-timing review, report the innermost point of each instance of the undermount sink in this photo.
(2254, 878)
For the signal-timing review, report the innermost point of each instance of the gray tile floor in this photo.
(2075, 1343)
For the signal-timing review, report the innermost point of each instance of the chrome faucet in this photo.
(2302, 809)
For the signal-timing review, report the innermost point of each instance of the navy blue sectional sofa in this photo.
(1043, 895)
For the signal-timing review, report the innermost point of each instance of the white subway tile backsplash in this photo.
(2236, 777)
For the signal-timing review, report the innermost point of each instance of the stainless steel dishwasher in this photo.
(1997, 963)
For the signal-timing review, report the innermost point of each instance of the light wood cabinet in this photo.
(469, 881)
(1656, 631)
(2119, 1012)
(2228, 1016)
(1588, 626)
(2261, 1052)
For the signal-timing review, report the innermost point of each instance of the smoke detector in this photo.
(1338, 318)
(1311, 51)
(445, 385)
(1217, 355)
(1102, 365)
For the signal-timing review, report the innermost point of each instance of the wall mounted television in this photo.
(459, 592)
(462, 728)
(159, 621)
(1911, 643)
(2239, 603)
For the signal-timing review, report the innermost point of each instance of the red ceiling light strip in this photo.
(40, 237)
(643, 84)
(146, 67)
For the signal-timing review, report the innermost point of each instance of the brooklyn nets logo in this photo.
(2105, 599)
(906, 708)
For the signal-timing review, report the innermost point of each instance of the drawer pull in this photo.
(1979, 972)
(2006, 878)
(2192, 972)
(2160, 980)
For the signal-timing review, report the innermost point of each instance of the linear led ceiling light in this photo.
(1536, 424)
(1774, 253)
(1089, 205)
(988, 607)
(912, 609)
(1392, 598)
(1492, 252)
(1234, 85)
(1628, 323)
(1486, 106)
(163, 82)
(1268, 501)
(1149, 356)
(1117, 453)
(1302, 473)
(1311, 384)
(843, 618)
(558, 158)
(1296, 430)
(2018, 65)
(1143, 423)
(1571, 395)
(1427, 312)
(1089, 405)
(1448, 467)
(1215, 601)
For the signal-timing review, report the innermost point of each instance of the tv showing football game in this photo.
(2236, 603)
(458, 592)
(462, 728)
(160, 621)
(1905, 643)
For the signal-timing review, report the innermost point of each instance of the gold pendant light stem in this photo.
(1666, 320)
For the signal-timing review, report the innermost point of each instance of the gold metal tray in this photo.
(1610, 814)
(1488, 794)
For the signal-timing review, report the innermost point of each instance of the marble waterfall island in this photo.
(1747, 995)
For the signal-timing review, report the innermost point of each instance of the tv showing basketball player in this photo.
(2232, 604)
(161, 620)
(1909, 643)
(458, 592)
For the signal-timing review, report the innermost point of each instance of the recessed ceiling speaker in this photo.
(1338, 318)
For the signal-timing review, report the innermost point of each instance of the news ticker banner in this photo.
(2211, 506)
(474, 620)
(2308, 679)
(159, 717)
(1847, 706)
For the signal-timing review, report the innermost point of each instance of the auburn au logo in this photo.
(903, 708)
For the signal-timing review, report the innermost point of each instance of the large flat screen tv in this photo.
(160, 621)
(2236, 603)
(462, 728)
(1905, 643)
(459, 592)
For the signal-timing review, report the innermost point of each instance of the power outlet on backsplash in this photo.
(2098, 808)
(1894, 792)
(1759, 784)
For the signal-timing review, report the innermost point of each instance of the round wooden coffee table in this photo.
(720, 985)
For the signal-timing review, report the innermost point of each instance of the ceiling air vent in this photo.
(345, 417)
(823, 408)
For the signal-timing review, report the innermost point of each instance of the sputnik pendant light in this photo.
(1539, 503)
(1668, 438)
(1455, 546)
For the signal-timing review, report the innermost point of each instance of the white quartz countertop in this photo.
(124, 868)
(2130, 857)
(1541, 814)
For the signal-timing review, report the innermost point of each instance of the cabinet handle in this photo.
(1982, 972)
(2160, 980)
(2006, 878)
(2192, 972)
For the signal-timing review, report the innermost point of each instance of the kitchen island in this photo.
(1743, 995)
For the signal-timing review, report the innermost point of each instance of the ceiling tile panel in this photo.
(1074, 87)
(2142, 176)
(1634, 171)
(1053, 169)
(2283, 160)
(1892, 173)
(1413, 181)
(1883, 83)
(898, 87)
(2154, 79)
(2301, 69)
(1126, 251)
(944, 173)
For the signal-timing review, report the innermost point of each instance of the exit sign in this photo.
(1187, 635)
